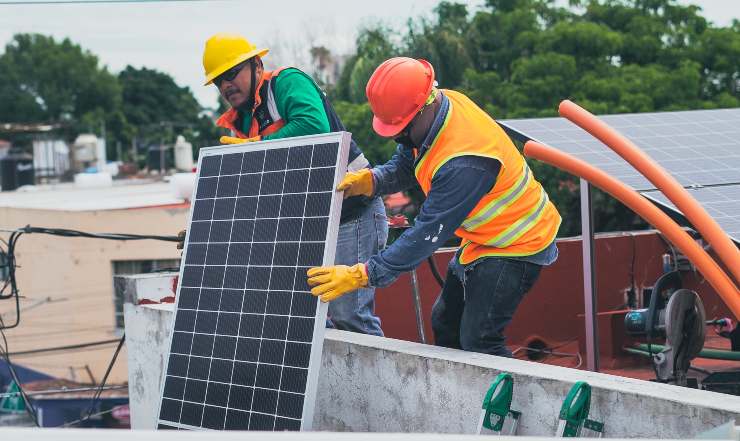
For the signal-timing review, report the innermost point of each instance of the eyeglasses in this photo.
(229, 75)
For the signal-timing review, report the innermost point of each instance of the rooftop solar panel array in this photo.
(699, 148)
(247, 333)
(721, 202)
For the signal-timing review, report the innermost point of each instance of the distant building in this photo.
(67, 283)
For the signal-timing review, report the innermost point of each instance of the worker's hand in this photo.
(331, 282)
(234, 140)
(181, 239)
(357, 183)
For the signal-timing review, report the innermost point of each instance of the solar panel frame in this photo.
(329, 249)
(698, 147)
(714, 180)
(719, 201)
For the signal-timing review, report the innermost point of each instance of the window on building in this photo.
(127, 267)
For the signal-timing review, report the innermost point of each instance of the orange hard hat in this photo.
(396, 91)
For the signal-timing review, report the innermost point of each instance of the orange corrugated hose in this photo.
(695, 253)
(694, 212)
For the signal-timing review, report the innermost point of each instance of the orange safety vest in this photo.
(515, 218)
(265, 117)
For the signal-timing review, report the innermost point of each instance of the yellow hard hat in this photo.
(224, 51)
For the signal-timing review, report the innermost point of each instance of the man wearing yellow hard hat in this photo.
(283, 103)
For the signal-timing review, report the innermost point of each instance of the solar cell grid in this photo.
(721, 202)
(699, 148)
(245, 324)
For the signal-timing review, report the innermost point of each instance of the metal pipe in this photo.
(625, 194)
(681, 198)
(714, 354)
(417, 307)
(589, 278)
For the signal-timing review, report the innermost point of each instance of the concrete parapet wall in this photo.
(372, 384)
(384, 385)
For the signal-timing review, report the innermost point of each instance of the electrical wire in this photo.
(435, 271)
(672, 250)
(62, 391)
(96, 397)
(9, 264)
(111, 236)
(6, 357)
(82, 420)
(65, 348)
(576, 355)
(8, 255)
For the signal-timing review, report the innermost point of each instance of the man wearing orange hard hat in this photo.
(284, 103)
(478, 187)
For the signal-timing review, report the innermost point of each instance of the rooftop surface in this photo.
(68, 197)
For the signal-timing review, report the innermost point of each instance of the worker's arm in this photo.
(456, 189)
(300, 105)
(395, 175)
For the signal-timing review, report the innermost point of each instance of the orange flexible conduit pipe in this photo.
(652, 214)
(681, 198)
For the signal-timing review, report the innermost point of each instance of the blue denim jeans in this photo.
(358, 240)
(478, 301)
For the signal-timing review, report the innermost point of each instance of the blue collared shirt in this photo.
(456, 189)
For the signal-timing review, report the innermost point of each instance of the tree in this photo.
(441, 40)
(373, 47)
(520, 58)
(43, 80)
(158, 109)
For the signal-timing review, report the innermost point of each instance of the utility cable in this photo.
(65, 348)
(61, 391)
(6, 357)
(82, 420)
(9, 265)
(96, 397)
(435, 271)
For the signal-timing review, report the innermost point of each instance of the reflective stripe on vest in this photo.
(518, 228)
(496, 206)
(516, 217)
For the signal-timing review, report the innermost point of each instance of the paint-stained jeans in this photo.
(358, 240)
(478, 301)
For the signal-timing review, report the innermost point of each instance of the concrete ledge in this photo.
(372, 384)
(378, 384)
(180, 435)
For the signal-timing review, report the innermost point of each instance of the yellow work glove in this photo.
(331, 282)
(357, 183)
(234, 140)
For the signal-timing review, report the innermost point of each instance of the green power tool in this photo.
(497, 407)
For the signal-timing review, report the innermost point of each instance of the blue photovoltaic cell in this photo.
(700, 148)
(721, 202)
(697, 147)
(244, 325)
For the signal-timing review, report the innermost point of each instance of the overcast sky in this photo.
(170, 36)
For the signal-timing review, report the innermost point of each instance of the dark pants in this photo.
(479, 301)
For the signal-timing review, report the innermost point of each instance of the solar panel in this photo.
(699, 147)
(247, 334)
(721, 202)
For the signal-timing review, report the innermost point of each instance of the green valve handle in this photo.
(574, 410)
(497, 402)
